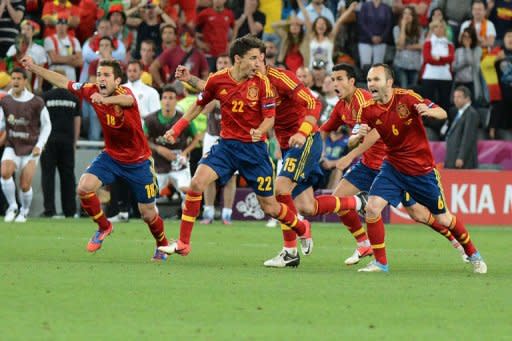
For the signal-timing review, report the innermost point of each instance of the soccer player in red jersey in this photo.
(395, 115)
(126, 155)
(248, 111)
(361, 175)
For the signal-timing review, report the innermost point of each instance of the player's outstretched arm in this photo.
(122, 100)
(53, 77)
(370, 139)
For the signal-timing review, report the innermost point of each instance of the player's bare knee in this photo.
(372, 210)
(444, 219)
(25, 187)
(306, 209)
(198, 185)
(270, 208)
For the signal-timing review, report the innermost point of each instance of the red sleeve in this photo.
(92, 68)
(162, 59)
(82, 90)
(75, 11)
(204, 68)
(303, 95)
(201, 17)
(428, 59)
(413, 99)
(333, 123)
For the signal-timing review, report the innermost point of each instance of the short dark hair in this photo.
(169, 88)
(349, 69)
(109, 39)
(20, 70)
(135, 61)
(243, 44)
(115, 65)
(465, 91)
(387, 69)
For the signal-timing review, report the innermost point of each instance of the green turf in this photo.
(52, 289)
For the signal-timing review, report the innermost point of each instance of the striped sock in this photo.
(434, 225)
(462, 235)
(289, 235)
(332, 204)
(351, 220)
(91, 204)
(156, 227)
(190, 212)
(288, 218)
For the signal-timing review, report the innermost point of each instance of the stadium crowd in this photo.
(456, 53)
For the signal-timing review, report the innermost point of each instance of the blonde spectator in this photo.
(437, 14)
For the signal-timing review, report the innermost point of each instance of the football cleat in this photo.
(176, 246)
(206, 221)
(227, 222)
(360, 252)
(306, 240)
(374, 266)
(121, 217)
(282, 260)
(479, 266)
(159, 256)
(97, 239)
(10, 214)
(363, 196)
(271, 222)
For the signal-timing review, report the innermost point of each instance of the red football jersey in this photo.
(244, 105)
(122, 128)
(294, 101)
(401, 128)
(346, 113)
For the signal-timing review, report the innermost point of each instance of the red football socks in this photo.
(289, 235)
(189, 215)
(91, 204)
(157, 230)
(332, 204)
(351, 220)
(376, 234)
(434, 225)
(462, 235)
(288, 218)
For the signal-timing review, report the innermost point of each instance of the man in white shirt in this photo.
(147, 97)
(64, 50)
(485, 30)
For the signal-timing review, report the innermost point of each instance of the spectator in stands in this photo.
(374, 22)
(409, 38)
(147, 57)
(215, 24)
(64, 51)
(501, 16)
(120, 31)
(54, 10)
(106, 47)
(91, 46)
(319, 73)
(271, 52)
(149, 27)
(438, 15)
(11, 14)
(336, 146)
(420, 7)
(183, 54)
(306, 77)
(502, 118)
(90, 12)
(250, 21)
(148, 99)
(294, 51)
(168, 34)
(461, 137)
(59, 152)
(455, 12)
(321, 38)
(438, 56)
(183, 12)
(29, 29)
(330, 98)
(314, 10)
(467, 64)
(485, 30)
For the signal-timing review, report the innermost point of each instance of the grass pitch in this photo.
(52, 289)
